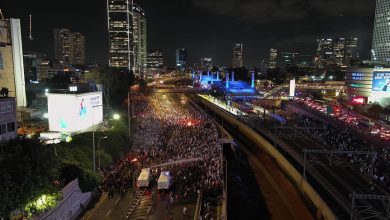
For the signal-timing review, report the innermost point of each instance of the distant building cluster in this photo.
(332, 57)
(338, 52)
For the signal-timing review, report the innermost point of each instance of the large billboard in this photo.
(74, 112)
(381, 84)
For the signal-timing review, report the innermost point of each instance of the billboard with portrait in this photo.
(381, 83)
(74, 112)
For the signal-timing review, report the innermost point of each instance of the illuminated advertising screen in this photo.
(292, 88)
(74, 112)
(381, 83)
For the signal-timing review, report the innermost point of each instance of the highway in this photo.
(335, 183)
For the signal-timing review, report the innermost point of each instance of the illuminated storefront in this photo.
(369, 84)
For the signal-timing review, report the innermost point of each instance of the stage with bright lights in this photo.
(239, 88)
(233, 88)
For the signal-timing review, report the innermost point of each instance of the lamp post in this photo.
(105, 137)
(129, 113)
(93, 136)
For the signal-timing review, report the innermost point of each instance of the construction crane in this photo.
(1, 15)
(30, 35)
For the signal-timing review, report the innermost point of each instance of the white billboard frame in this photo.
(74, 112)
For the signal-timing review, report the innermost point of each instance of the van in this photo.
(164, 181)
(144, 178)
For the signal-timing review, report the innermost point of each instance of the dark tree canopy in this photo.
(28, 169)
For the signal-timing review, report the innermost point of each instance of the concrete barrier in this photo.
(323, 210)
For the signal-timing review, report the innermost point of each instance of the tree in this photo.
(143, 84)
(28, 170)
(375, 110)
(122, 79)
(115, 81)
(101, 76)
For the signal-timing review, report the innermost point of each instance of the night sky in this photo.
(207, 28)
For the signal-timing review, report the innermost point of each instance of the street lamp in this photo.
(105, 137)
(116, 116)
(93, 136)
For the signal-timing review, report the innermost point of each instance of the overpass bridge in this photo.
(180, 90)
(307, 86)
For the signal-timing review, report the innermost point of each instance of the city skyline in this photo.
(298, 33)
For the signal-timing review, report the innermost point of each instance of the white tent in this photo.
(164, 180)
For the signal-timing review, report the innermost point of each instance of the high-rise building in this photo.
(273, 58)
(155, 62)
(324, 53)
(31, 61)
(63, 46)
(181, 59)
(381, 38)
(69, 48)
(237, 55)
(206, 63)
(78, 48)
(339, 51)
(11, 60)
(288, 59)
(351, 52)
(139, 23)
(120, 30)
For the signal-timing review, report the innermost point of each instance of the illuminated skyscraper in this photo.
(237, 55)
(381, 39)
(181, 59)
(11, 60)
(120, 30)
(324, 53)
(140, 49)
(63, 46)
(78, 48)
(69, 48)
(273, 57)
(155, 62)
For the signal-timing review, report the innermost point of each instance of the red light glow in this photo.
(358, 100)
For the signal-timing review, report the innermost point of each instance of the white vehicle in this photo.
(144, 178)
(164, 180)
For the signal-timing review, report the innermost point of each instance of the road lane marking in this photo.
(100, 203)
(117, 200)
(108, 213)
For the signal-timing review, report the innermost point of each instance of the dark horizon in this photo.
(205, 28)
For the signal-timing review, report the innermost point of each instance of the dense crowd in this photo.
(343, 139)
(167, 132)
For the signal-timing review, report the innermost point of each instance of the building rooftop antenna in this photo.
(30, 35)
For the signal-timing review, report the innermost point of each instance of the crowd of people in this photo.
(345, 140)
(169, 131)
